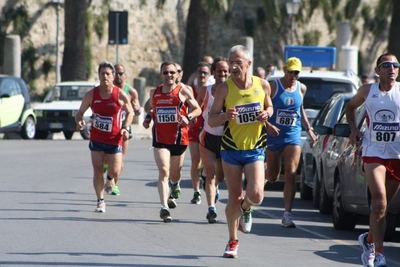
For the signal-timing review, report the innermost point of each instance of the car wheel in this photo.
(391, 223)
(325, 202)
(305, 190)
(316, 189)
(28, 129)
(41, 134)
(68, 134)
(342, 220)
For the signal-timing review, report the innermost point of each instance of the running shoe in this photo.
(115, 191)
(211, 215)
(105, 168)
(287, 221)
(231, 249)
(246, 220)
(380, 260)
(368, 255)
(175, 191)
(101, 206)
(165, 215)
(216, 194)
(196, 198)
(109, 186)
(172, 203)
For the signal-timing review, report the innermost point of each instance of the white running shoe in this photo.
(287, 221)
(246, 220)
(368, 255)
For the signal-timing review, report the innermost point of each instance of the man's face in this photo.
(387, 69)
(169, 74)
(120, 75)
(203, 73)
(268, 70)
(221, 72)
(180, 72)
(238, 65)
(291, 76)
(106, 76)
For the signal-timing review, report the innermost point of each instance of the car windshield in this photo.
(67, 93)
(320, 91)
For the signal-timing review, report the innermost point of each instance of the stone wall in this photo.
(159, 35)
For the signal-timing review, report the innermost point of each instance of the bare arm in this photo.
(126, 104)
(148, 107)
(269, 109)
(304, 119)
(85, 104)
(351, 107)
(195, 109)
(272, 130)
(135, 101)
(192, 77)
(215, 117)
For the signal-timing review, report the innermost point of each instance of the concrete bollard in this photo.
(12, 55)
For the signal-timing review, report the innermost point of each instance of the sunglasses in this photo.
(179, 71)
(296, 72)
(203, 72)
(169, 72)
(388, 64)
(119, 73)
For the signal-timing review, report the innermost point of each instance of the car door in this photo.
(11, 102)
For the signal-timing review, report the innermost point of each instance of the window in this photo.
(319, 91)
(9, 87)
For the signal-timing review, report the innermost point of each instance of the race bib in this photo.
(286, 117)
(166, 114)
(247, 113)
(103, 123)
(386, 132)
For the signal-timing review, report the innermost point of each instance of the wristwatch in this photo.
(189, 117)
(128, 128)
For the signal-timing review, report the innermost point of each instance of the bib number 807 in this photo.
(385, 136)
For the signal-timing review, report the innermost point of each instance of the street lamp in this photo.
(292, 8)
(58, 8)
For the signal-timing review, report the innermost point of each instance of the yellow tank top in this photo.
(244, 132)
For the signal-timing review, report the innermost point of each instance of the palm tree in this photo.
(394, 43)
(197, 26)
(74, 59)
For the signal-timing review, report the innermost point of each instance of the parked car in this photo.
(351, 197)
(16, 114)
(58, 110)
(322, 168)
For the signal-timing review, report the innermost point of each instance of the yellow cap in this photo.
(293, 64)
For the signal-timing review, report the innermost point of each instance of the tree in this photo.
(394, 43)
(197, 25)
(74, 59)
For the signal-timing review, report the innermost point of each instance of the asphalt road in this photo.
(47, 218)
